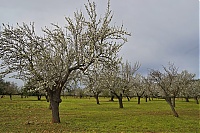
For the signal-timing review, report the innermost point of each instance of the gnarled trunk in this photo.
(54, 97)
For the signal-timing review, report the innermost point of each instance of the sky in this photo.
(162, 31)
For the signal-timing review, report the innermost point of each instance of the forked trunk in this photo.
(54, 97)
(119, 97)
(168, 100)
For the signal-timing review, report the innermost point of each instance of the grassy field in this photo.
(83, 115)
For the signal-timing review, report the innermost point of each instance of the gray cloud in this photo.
(162, 30)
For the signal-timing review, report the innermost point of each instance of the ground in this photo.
(84, 115)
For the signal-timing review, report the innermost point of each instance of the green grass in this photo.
(83, 115)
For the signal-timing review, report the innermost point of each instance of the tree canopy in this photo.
(52, 58)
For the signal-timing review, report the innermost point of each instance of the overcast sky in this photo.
(162, 30)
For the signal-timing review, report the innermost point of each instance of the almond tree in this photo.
(191, 90)
(112, 82)
(50, 59)
(151, 88)
(196, 90)
(139, 87)
(93, 80)
(165, 82)
(184, 83)
(127, 75)
(31, 88)
(118, 79)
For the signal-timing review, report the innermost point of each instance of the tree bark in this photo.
(47, 98)
(39, 97)
(112, 98)
(120, 101)
(168, 100)
(174, 102)
(10, 96)
(146, 98)
(54, 97)
(97, 98)
(127, 98)
(196, 99)
(139, 96)
(139, 99)
(187, 99)
(149, 98)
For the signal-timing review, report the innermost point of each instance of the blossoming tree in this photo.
(52, 58)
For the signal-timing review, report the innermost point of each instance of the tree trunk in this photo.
(168, 100)
(127, 98)
(97, 98)
(39, 97)
(174, 102)
(139, 99)
(149, 98)
(47, 98)
(146, 98)
(10, 96)
(196, 99)
(112, 98)
(120, 101)
(187, 99)
(54, 97)
(139, 96)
